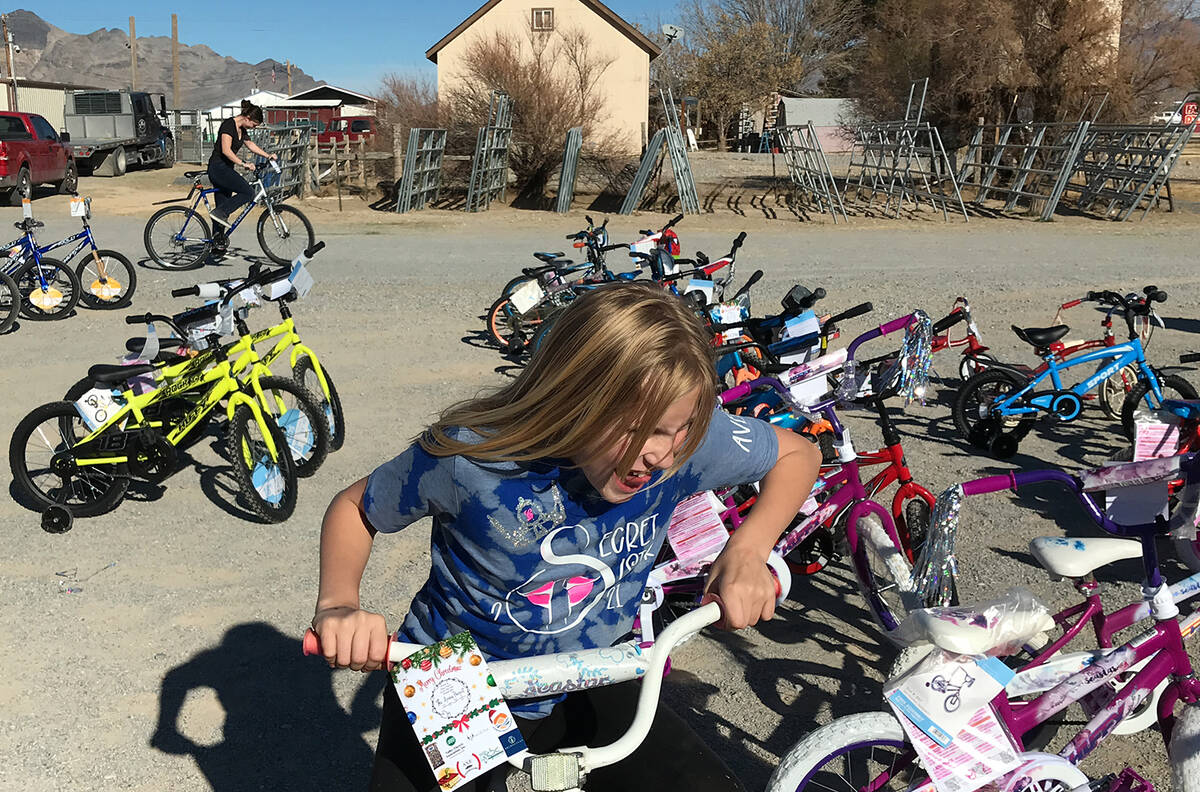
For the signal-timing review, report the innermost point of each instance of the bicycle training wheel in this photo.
(267, 481)
(177, 238)
(108, 284)
(286, 235)
(1173, 386)
(49, 289)
(40, 459)
(301, 418)
(10, 303)
(305, 374)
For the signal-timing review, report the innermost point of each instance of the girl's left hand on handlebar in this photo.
(742, 582)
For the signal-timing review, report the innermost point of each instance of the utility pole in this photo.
(289, 72)
(8, 56)
(132, 56)
(174, 62)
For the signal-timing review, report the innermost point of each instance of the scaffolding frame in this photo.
(809, 169)
(1017, 162)
(422, 176)
(489, 165)
(902, 162)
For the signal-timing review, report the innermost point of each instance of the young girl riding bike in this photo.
(550, 499)
(235, 190)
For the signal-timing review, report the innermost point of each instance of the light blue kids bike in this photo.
(997, 407)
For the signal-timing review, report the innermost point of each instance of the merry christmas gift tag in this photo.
(456, 711)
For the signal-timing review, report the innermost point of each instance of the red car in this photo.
(352, 128)
(31, 153)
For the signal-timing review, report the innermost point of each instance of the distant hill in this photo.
(101, 59)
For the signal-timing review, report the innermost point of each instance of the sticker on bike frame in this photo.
(95, 407)
(943, 706)
(526, 296)
(455, 708)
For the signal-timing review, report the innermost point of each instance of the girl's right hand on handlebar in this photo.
(352, 638)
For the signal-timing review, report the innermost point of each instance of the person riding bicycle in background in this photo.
(550, 499)
(235, 190)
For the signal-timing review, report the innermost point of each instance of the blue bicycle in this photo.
(178, 237)
(107, 279)
(47, 288)
(997, 407)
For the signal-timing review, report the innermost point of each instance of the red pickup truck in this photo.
(351, 128)
(31, 154)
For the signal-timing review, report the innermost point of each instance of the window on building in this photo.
(543, 19)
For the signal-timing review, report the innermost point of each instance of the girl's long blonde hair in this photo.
(612, 364)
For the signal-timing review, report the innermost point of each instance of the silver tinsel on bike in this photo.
(936, 568)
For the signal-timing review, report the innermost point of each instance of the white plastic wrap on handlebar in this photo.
(209, 291)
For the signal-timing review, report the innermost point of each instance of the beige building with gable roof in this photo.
(624, 86)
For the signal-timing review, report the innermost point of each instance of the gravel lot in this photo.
(179, 667)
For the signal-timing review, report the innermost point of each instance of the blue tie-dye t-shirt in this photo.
(528, 557)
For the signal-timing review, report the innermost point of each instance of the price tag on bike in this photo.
(457, 713)
(302, 280)
(943, 705)
(80, 207)
(526, 296)
(95, 407)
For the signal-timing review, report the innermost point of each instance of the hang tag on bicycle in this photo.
(26, 209)
(943, 705)
(526, 296)
(81, 207)
(302, 280)
(696, 531)
(458, 715)
(95, 407)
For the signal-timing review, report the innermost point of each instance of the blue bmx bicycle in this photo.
(46, 288)
(997, 407)
(178, 237)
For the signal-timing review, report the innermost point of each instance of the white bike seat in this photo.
(1001, 626)
(1076, 558)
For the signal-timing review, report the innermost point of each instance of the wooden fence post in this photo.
(362, 164)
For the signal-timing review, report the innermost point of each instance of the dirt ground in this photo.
(179, 666)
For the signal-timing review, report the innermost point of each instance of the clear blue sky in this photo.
(351, 43)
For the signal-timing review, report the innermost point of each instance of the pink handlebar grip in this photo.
(312, 643)
(735, 393)
(983, 486)
(895, 324)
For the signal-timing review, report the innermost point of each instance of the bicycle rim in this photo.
(884, 574)
(46, 289)
(283, 235)
(877, 764)
(85, 487)
(171, 246)
(266, 474)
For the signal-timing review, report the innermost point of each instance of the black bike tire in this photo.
(262, 224)
(1135, 396)
(23, 481)
(310, 405)
(89, 299)
(976, 381)
(337, 431)
(33, 314)
(189, 264)
(236, 431)
(8, 314)
(509, 287)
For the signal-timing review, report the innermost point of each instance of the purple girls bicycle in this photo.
(840, 497)
(1113, 684)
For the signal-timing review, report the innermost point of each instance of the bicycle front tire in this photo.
(115, 289)
(280, 240)
(267, 482)
(1184, 750)
(10, 303)
(60, 295)
(874, 739)
(166, 244)
(301, 418)
(305, 374)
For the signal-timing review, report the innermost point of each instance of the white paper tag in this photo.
(96, 407)
(943, 706)
(696, 531)
(526, 296)
(302, 280)
(80, 207)
(1155, 439)
(26, 209)
(457, 713)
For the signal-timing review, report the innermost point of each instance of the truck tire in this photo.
(168, 157)
(24, 187)
(114, 164)
(70, 180)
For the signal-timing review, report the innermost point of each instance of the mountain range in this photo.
(101, 60)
